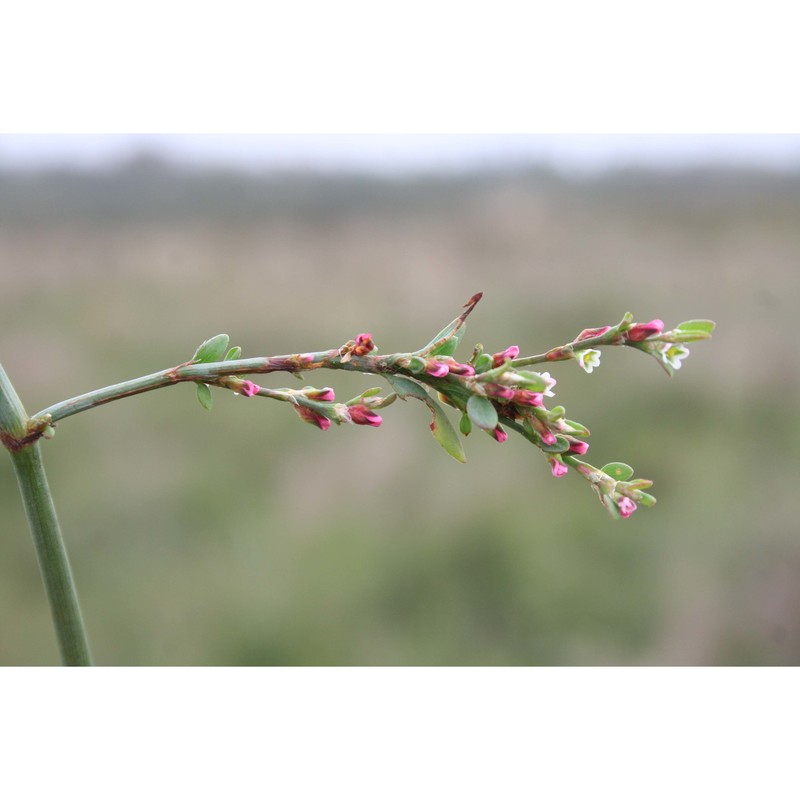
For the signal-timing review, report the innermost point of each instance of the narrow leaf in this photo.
(482, 412)
(609, 505)
(406, 388)
(698, 325)
(204, 396)
(576, 429)
(449, 331)
(386, 401)
(532, 381)
(233, 353)
(441, 427)
(645, 499)
(444, 433)
(465, 425)
(449, 347)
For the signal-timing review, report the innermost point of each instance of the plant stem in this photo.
(43, 522)
(52, 554)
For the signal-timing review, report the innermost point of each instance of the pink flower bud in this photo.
(503, 392)
(558, 468)
(590, 333)
(325, 395)
(642, 330)
(626, 506)
(524, 397)
(364, 344)
(548, 437)
(437, 369)
(577, 446)
(461, 369)
(307, 415)
(499, 434)
(361, 415)
(509, 352)
(249, 388)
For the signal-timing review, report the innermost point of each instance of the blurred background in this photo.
(242, 536)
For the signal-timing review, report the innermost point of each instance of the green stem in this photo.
(52, 555)
(26, 457)
(202, 373)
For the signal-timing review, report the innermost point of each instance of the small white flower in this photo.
(672, 354)
(588, 359)
(551, 382)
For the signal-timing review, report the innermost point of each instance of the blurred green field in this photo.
(242, 536)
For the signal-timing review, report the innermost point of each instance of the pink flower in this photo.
(590, 333)
(437, 369)
(524, 397)
(499, 434)
(503, 392)
(577, 446)
(558, 468)
(509, 352)
(548, 437)
(626, 506)
(307, 415)
(249, 388)
(325, 395)
(642, 330)
(461, 369)
(361, 415)
(364, 344)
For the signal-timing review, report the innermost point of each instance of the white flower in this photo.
(672, 354)
(551, 382)
(588, 359)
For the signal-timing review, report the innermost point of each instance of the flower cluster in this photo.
(493, 391)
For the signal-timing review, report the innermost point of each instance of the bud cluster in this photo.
(492, 391)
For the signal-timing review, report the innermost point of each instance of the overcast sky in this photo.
(404, 153)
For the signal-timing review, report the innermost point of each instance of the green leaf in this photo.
(406, 388)
(465, 426)
(233, 354)
(575, 428)
(444, 433)
(452, 331)
(483, 363)
(441, 427)
(701, 325)
(449, 347)
(372, 392)
(482, 412)
(387, 401)
(212, 349)
(417, 364)
(609, 504)
(626, 322)
(204, 396)
(561, 445)
(647, 500)
(532, 380)
(618, 471)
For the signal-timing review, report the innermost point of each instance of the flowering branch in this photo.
(492, 391)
